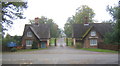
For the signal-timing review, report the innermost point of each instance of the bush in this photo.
(13, 50)
(78, 45)
(19, 47)
(35, 45)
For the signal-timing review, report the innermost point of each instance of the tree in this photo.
(17, 39)
(115, 35)
(83, 14)
(7, 39)
(12, 11)
(54, 30)
(68, 30)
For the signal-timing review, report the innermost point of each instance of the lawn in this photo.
(99, 50)
(69, 41)
(25, 50)
(52, 41)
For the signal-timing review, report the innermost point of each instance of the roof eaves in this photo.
(24, 30)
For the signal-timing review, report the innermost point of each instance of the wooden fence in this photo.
(109, 46)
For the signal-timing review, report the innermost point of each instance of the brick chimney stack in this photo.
(36, 20)
(86, 21)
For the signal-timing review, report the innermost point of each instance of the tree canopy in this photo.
(113, 37)
(54, 30)
(9, 38)
(12, 11)
(83, 14)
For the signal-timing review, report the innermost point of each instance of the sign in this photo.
(11, 44)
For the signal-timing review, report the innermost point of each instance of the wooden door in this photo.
(43, 44)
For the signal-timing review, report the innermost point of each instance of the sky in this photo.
(59, 11)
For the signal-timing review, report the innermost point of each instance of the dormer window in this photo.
(93, 33)
(29, 34)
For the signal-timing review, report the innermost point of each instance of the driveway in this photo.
(60, 55)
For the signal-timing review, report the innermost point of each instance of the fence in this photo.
(109, 46)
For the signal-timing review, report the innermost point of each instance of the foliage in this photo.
(78, 45)
(115, 35)
(52, 41)
(69, 41)
(35, 45)
(19, 47)
(112, 38)
(108, 39)
(108, 21)
(114, 12)
(54, 30)
(7, 39)
(68, 30)
(13, 50)
(12, 11)
(83, 14)
(17, 39)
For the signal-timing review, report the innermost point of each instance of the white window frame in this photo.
(93, 42)
(29, 42)
(29, 34)
(93, 33)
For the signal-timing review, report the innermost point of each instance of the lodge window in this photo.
(29, 34)
(29, 42)
(93, 33)
(93, 42)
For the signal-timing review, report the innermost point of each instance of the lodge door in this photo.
(43, 44)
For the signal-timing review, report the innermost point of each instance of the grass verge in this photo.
(25, 50)
(52, 41)
(99, 50)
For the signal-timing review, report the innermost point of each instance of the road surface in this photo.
(59, 55)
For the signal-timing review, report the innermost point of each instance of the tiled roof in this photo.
(41, 31)
(79, 30)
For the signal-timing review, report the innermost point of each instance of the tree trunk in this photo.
(66, 41)
(55, 42)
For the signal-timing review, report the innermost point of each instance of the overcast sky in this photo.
(59, 11)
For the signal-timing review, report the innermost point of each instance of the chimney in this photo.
(86, 21)
(36, 20)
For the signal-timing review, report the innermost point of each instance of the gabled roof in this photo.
(41, 31)
(80, 31)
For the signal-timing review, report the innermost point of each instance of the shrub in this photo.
(35, 45)
(78, 45)
(19, 47)
(13, 50)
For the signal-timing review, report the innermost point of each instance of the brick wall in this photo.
(87, 40)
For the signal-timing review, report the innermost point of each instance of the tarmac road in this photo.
(59, 55)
